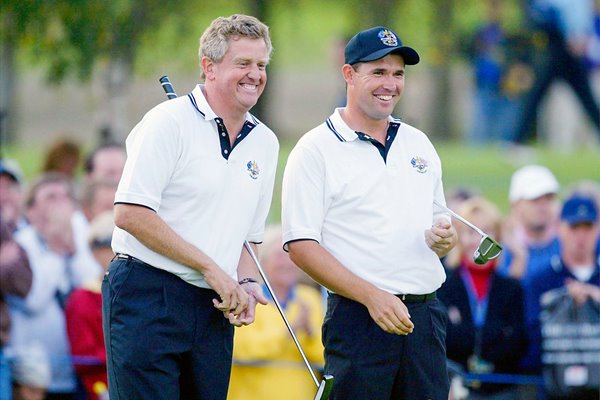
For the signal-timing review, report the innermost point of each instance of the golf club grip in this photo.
(461, 219)
(167, 87)
(287, 323)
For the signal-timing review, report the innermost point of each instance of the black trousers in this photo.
(164, 338)
(368, 363)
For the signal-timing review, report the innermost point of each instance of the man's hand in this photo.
(389, 312)
(580, 291)
(441, 238)
(234, 298)
(302, 322)
(255, 296)
(57, 230)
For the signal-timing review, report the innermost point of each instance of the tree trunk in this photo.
(113, 108)
(7, 85)
(441, 117)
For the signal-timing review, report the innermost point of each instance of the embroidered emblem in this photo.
(420, 164)
(388, 38)
(253, 169)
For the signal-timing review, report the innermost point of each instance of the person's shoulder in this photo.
(452, 283)
(410, 130)
(320, 136)
(548, 273)
(507, 283)
(265, 131)
(25, 235)
(177, 107)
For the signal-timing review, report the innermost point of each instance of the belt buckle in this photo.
(403, 297)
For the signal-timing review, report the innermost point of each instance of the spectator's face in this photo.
(50, 198)
(537, 214)
(108, 164)
(28, 393)
(10, 199)
(375, 87)
(579, 240)
(282, 272)
(104, 198)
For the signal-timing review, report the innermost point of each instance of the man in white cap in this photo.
(531, 236)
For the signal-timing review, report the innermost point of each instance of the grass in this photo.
(484, 169)
(488, 170)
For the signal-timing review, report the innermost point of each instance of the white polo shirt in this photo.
(181, 165)
(369, 213)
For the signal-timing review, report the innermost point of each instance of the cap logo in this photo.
(253, 169)
(388, 38)
(582, 211)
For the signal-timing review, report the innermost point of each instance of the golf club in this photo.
(323, 388)
(488, 248)
(167, 87)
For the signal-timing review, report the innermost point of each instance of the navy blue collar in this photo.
(199, 102)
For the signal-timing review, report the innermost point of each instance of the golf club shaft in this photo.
(287, 323)
(461, 219)
(170, 91)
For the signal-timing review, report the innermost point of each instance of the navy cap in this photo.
(579, 209)
(376, 43)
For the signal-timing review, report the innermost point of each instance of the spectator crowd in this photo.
(56, 244)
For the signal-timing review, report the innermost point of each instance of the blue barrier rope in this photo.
(511, 379)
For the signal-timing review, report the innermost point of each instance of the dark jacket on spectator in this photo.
(503, 335)
(15, 278)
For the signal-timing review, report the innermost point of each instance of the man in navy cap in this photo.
(358, 217)
(576, 268)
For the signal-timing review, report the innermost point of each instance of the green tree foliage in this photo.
(70, 36)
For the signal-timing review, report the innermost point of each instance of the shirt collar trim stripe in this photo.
(209, 114)
(195, 104)
(332, 129)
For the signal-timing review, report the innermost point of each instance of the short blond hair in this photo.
(481, 206)
(214, 42)
(476, 205)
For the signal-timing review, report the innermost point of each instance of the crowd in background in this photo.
(515, 68)
(56, 233)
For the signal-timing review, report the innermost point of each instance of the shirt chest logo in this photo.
(253, 169)
(420, 164)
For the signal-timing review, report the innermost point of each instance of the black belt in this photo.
(417, 298)
(129, 258)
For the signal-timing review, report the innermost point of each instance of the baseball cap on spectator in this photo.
(11, 169)
(579, 209)
(531, 182)
(375, 43)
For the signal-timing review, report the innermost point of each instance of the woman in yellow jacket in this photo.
(266, 362)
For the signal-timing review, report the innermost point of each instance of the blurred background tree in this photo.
(116, 41)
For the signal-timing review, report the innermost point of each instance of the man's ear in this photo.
(208, 67)
(348, 73)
